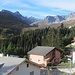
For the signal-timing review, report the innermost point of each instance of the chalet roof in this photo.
(10, 63)
(41, 50)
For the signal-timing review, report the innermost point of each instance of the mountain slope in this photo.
(8, 20)
(28, 20)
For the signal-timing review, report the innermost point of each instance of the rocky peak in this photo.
(49, 19)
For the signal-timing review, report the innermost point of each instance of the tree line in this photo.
(14, 43)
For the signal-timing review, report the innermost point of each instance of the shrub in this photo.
(73, 73)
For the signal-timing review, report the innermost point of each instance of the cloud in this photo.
(39, 8)
(5, 2)
(62, 4)
(17, 3)
(36, 14)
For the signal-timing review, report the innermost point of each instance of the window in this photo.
(32, 73)
(27, 65)
(57, 58)
(38, 60)
(53, 53)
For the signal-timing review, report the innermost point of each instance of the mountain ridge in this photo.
(47, 21)
(8, 20)
(28, 20)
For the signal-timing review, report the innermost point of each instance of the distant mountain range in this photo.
(29, 20)
(52, 20)
(10, 19)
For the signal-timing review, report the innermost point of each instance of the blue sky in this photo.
(39, 8)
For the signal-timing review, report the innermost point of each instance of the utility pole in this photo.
(70, 66)
(48, 71)
(48, 66)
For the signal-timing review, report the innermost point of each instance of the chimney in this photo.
(7, 55)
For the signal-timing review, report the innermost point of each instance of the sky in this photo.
(39, 8)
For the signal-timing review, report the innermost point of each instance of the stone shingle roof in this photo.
(10, 63)
(41, 50)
